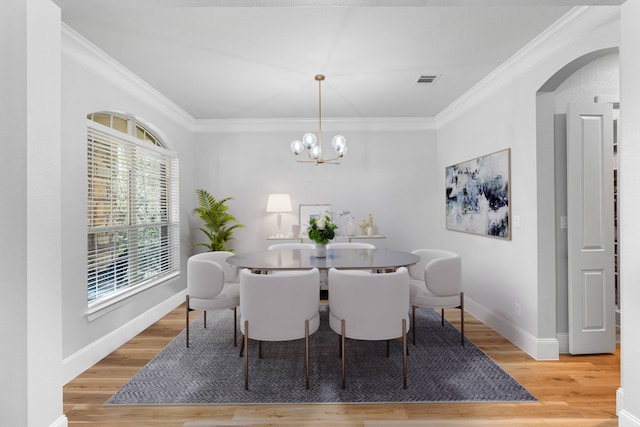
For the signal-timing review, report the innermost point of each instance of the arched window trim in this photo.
(133, 213)
(133, 124)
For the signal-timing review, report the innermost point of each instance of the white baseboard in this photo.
(563, 340)
(63, 421)
(619, 400)
(88, 356)
(625, 418)
(538, 348)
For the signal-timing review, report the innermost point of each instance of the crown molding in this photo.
(311, 124)
(85, 53)
(573, 25)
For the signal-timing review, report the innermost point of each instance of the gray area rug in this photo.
(211, 371)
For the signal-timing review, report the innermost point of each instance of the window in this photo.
(133, 213)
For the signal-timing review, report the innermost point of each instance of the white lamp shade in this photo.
(279, 203)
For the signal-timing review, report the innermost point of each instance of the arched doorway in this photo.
(591, 78)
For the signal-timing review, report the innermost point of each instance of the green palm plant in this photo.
(218, 223)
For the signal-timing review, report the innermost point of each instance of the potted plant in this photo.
(218, 223)
(321, 231)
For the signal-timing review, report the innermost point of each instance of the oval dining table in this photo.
(304, 259)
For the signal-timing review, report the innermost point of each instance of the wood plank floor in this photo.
(576, 391)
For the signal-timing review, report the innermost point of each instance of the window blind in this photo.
(133, 212)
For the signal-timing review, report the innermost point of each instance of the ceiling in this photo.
(258, 59)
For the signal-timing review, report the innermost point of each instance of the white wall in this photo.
(501, 279)
(13, 226)
(629, 395)
(390, 173)
(92, 82)
(600, 77)
(30, 329)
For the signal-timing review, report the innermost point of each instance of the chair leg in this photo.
(413, 324)
(246, 355)
(442, 316)
(404, 352)
(388, 348)
(340, 346)
(306, 350)
(205, 319)
(342, 341)
(235, 326)
(241, 347)
(462, 318)
(187, 328)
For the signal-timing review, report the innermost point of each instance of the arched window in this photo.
(132, 209)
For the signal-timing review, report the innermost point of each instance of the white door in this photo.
(590, 228)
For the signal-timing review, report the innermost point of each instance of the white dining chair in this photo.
(350, 245)
(212, 284)
(283, 306)
(291, 246)
(366, 306)
(436, 282)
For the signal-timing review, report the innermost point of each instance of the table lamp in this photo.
(279, 203)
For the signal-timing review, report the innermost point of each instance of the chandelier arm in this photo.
(305, 161)
(333, 160)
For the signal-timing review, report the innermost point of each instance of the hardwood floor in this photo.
(574, 391)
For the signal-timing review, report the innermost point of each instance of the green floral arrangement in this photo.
(321, 229)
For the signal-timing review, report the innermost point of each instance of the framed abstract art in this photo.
(478, 195)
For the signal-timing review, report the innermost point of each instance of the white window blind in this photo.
(133, 214)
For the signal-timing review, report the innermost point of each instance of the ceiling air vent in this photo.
(427, 80)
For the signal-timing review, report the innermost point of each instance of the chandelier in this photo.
(313, 144)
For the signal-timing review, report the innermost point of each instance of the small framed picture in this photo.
(311, 211)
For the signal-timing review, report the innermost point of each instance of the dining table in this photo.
(305, 259)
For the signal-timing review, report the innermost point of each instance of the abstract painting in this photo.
(477, 195)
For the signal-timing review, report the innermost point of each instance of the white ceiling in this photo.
(258, 59)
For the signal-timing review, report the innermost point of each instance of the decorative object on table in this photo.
(295, 230)
(321, 231)
(339, 219)
(218, 223)
(478, 195)
(279, 203)
(371, 223)
(308, 211)
(314, 144)
(363, 227)
(351, 227)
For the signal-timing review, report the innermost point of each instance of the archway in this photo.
(593, 77)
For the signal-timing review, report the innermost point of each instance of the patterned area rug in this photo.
(211, 371)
